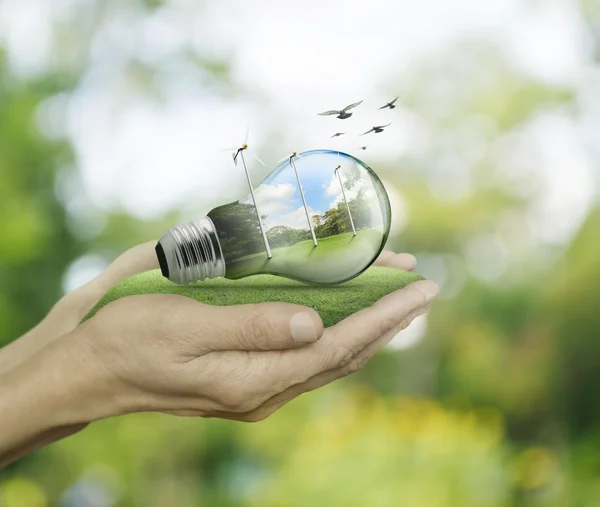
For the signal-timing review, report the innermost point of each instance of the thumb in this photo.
(264, 326)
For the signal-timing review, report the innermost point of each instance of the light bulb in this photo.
(319, 217)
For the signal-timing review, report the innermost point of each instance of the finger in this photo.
(356, 332)
(264, 326)
(367, 354)
(344, 341)
(404, 261)
(326, 377)
(68, 311)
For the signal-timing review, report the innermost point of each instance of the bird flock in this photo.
(344, 114)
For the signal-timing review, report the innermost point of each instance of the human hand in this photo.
(234, 362)
(35, 374)
(176, 355)
(67, 313)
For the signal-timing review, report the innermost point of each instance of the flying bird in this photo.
(342, 114)
(363, 148)
(390, 104)
(377, 130)
(338, 134)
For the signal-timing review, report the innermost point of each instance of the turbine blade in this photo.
(339, 163)
(247, 133)
(258, 160)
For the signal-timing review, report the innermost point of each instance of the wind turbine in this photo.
(291, 158)
(238, 152)
(337, 172)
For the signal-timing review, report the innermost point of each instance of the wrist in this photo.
(58, 386)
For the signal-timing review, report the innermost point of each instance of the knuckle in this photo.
(342, 357)
(387, 325)
(404, 324)
(408, 320)
(256, 330)
(360, 362)
(355, 365)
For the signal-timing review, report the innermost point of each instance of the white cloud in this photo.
(273, 198)
(332, 187)
(281, 191)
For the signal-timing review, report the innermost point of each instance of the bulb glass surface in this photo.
(349, 215)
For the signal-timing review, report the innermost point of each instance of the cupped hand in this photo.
(176, 355)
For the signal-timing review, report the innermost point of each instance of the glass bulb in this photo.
(319, 217)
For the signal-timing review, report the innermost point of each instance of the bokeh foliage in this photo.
(497, 404)
(35, 245)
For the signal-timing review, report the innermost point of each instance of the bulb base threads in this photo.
(191, 253)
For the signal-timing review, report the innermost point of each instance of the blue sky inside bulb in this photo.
(325, 214)
(279, 198)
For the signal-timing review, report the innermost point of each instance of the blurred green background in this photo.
(111, 114)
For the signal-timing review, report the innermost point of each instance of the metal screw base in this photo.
(191, 253)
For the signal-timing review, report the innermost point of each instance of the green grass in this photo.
(324, 258)
(333, 303)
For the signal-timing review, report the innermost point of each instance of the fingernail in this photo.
(303, 328)
(429, 289)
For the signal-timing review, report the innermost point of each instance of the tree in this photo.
(282, 236)
(238, 228)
